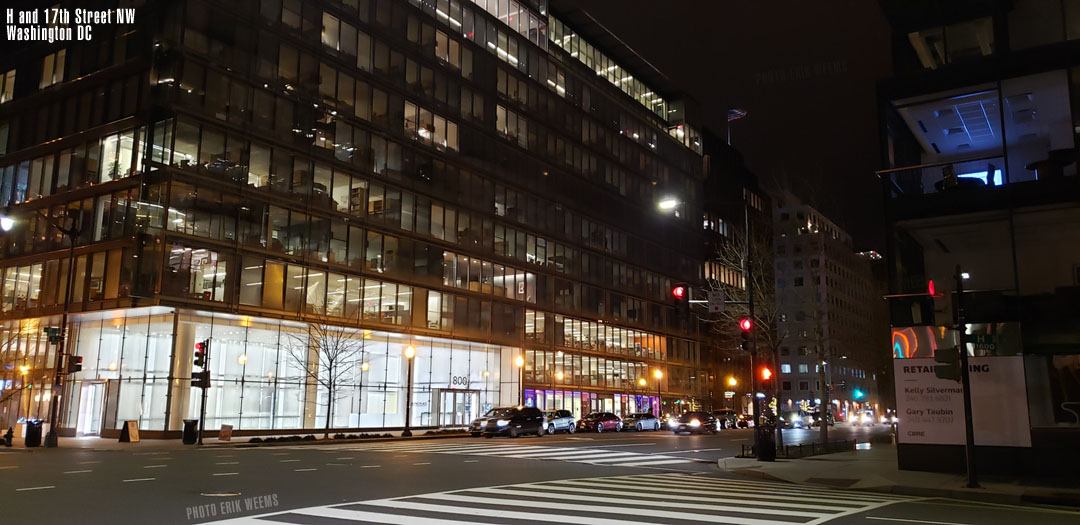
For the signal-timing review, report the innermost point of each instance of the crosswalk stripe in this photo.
(773, 487)
(379, 517)
(651, 463)
(560, 452)
(609, 509)
(779, 506)
(504, 514)
(745, 493)
(612, 458)
(638, 501)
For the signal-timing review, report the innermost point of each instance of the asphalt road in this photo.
(651, 477)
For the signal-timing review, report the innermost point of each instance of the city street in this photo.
(652, 477)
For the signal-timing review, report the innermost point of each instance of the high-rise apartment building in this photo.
(831, 314)
(476, 181)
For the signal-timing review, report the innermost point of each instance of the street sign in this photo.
(729, 394)
(716, 301)
(986, 342)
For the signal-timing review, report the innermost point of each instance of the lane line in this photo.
(138, 479)
(77, 471)
(909, 520)
(421, 463)
(350, 457)
(289, 460)
(335, 464)
(36, 488)
(227, 463)
(154, 466)
(472, 460)
(370, 466)
(304, 469)
(8, 467)
(226, 473)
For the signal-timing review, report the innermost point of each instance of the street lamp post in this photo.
(72, 234)
(519, 362)
(659, 402)
(410, 353)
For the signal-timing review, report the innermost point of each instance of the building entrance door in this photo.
(457, 408)
(91, 404)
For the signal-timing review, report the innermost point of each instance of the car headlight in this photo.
(695, 423)
(895, 419)
(796, 419)
(502, 422)
(672, 422)
(884, 419)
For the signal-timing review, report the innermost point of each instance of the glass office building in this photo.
(433, 175)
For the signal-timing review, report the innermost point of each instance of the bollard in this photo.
(8, 436)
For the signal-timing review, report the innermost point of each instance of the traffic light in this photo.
(745, 325)
(858, 394)
(680, 295)
(766, 373)
(73, 364)
(200, 379)
(201, 349)
(950, 367)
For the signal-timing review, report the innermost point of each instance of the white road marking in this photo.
(289, 460)
(472, 460)
(304, 469)
(370, 466)
(154, 466)
(421, 463)
(36, 488)
(227, 463)
(909, 520)
(350, 457)
(77, 471)
(8, 467)
(138, 479)
(226, 473)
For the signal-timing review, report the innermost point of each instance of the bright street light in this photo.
(667, 203)
(410, 352)
(559, 375)
(657, 373)
(641, 381)
(519, 361)
(965, 276)
(6, 223)
(731, 381)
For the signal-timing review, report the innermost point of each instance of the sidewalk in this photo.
(98, 443)
(875, 469)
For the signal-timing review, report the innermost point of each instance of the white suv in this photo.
(555, 420)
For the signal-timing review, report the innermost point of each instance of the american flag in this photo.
(735, 114)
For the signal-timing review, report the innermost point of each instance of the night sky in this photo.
(805, 71)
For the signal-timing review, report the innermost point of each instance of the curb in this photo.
(1065, 500)
(331, 441)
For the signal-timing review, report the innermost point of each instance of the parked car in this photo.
(556, 420)
(477, 427)
(641, 421)
(694, 423)
(600, 422)
(726, 418)
(514, 422)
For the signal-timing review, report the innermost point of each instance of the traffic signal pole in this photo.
(965, 381)
(205, 390)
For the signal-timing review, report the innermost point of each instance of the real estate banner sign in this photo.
(931, 410)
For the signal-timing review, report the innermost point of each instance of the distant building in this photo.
(979, 132)
(831, 310)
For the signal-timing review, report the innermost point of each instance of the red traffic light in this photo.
(930, 287)
(679, 292)
(745, 324)
(200, 347)
(766, 374)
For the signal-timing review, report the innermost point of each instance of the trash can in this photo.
(766, 447)
(33, 433)
(191, 431)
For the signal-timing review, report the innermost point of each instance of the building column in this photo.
(180, 374)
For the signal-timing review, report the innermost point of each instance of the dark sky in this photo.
(805, 71)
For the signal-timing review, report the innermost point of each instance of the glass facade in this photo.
(424, 173)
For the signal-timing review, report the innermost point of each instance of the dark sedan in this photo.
(600, 422)
(514, 422)
(694, 423)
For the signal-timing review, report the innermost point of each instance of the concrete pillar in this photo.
(180, 391)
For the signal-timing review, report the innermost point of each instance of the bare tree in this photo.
(326, 353)
(10, 365)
